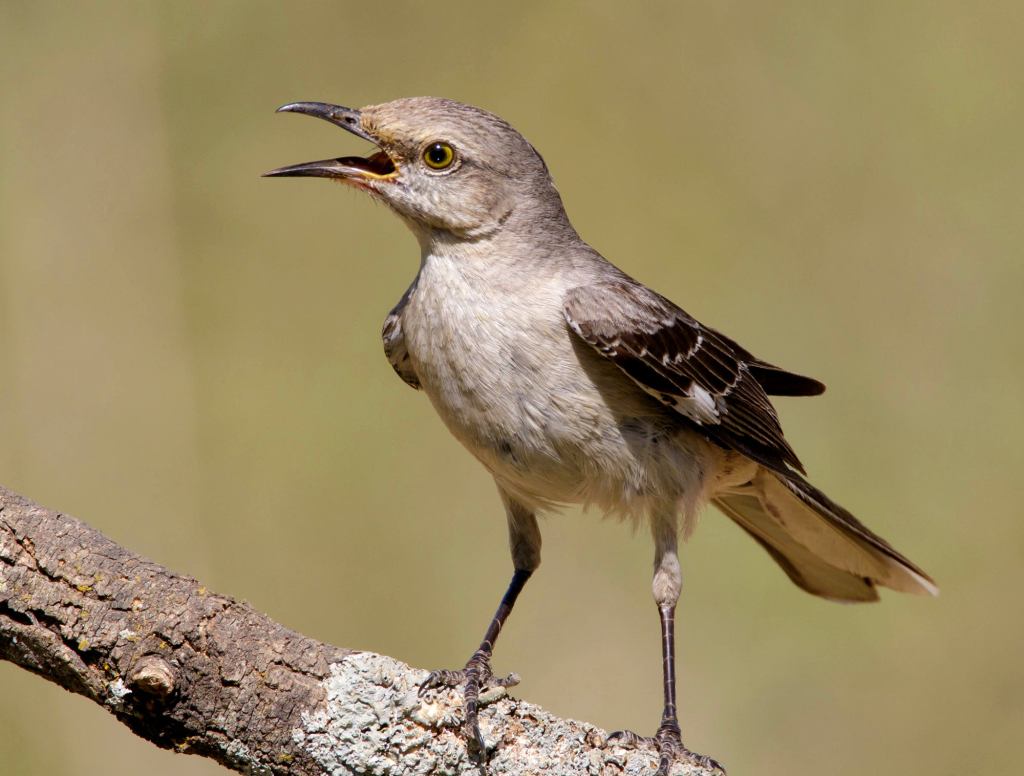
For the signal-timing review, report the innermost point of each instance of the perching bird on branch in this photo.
(572, 383)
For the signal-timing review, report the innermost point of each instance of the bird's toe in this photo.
(474, 680)
(669, 745)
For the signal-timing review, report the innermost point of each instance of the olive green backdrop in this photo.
(191, 360)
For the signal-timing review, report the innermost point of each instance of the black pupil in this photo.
(437, 153)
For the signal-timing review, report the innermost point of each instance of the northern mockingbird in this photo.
(572, 383)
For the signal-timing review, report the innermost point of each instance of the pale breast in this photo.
(507, 376)
(483, 359)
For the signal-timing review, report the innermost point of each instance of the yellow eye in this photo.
(438, 156)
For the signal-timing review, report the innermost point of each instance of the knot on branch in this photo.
(152, 675)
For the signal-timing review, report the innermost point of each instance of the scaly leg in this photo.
(667, 585)
(524, 541)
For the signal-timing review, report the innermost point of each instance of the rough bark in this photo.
(201, 673)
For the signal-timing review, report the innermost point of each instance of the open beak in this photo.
(379, 166)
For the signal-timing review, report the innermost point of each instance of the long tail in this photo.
(821, 547)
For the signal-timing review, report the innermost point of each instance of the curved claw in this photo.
(441, 678)
(671, 749)
(669, 746)
(667, 759)
(476, 676)
(629, 739)
(475, 740)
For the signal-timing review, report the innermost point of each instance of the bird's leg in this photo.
(667, 585)
(478, 674)
(524, 541)
(668, 739)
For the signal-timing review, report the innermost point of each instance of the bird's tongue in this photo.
(379, 163)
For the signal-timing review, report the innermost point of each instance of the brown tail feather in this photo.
(821, 547)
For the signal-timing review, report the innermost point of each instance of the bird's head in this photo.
(444, 167)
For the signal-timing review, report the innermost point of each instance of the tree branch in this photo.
(201, 673)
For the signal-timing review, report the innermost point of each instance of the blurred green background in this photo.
(191, 360)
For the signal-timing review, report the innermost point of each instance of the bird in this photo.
(575, 384)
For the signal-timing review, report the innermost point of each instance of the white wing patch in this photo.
(696, 403)
(699, 405)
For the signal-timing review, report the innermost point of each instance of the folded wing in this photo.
(697, 371)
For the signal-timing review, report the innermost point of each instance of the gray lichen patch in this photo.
(374, 722)
(117, 692)
(241, 759)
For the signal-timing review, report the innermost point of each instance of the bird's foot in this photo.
(670, 748)
(477, 676)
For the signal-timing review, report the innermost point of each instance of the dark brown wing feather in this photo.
(702, 374)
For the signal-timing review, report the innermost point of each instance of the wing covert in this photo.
(697, 371)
